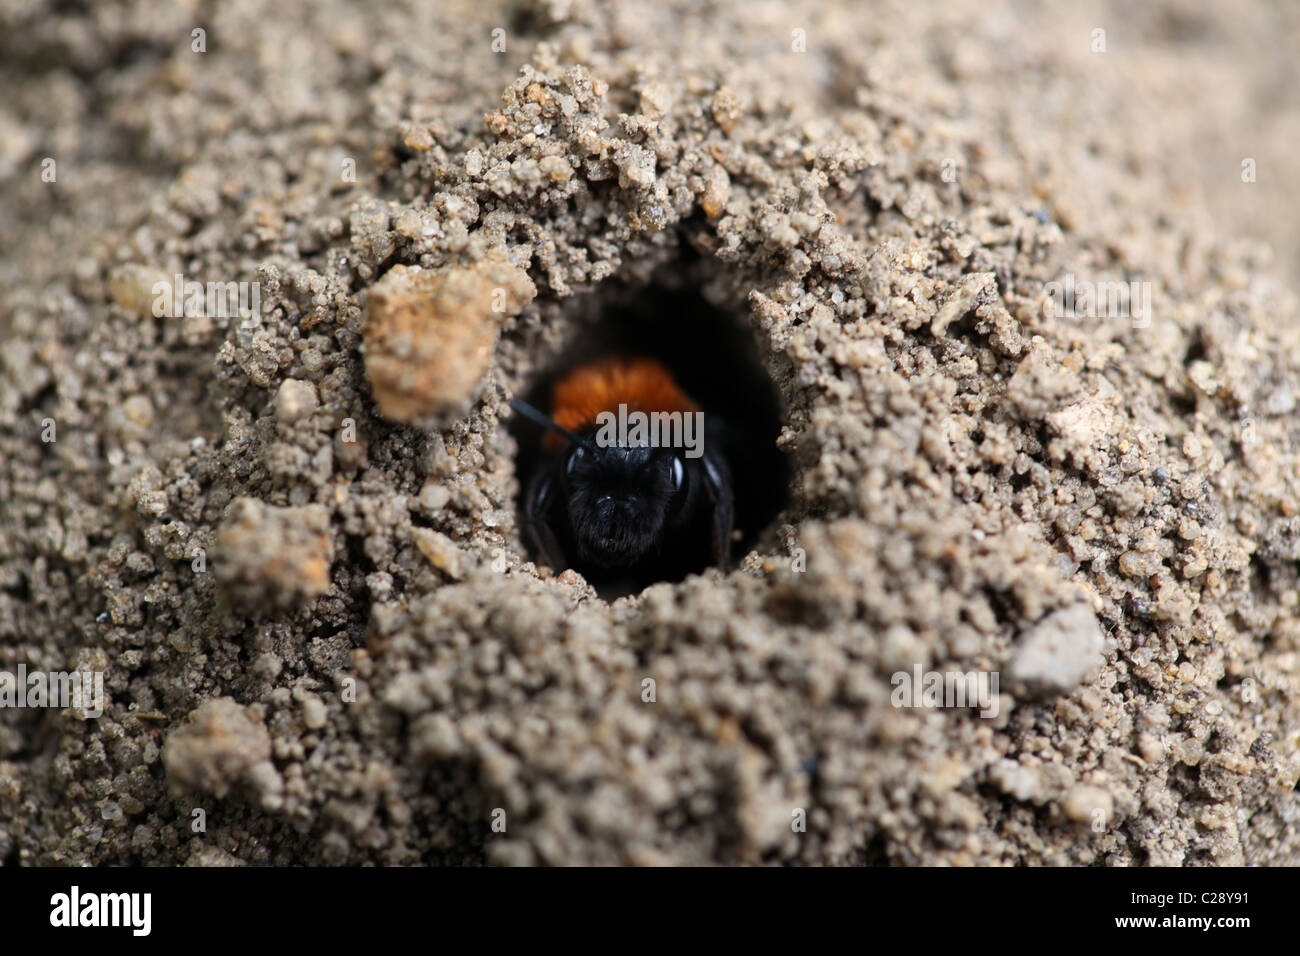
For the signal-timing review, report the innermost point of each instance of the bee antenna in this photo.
(523, 408)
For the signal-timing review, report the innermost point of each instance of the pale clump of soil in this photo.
(322, 627)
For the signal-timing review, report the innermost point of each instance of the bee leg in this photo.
(717, 481)
(539, 503)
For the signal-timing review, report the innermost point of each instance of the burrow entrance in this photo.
(712, 354)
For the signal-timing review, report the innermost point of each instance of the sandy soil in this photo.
(319, 625)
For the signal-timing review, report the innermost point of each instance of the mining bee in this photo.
(608, 496)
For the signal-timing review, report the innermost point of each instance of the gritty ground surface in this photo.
(320, 627)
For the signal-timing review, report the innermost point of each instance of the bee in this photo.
(615, 504)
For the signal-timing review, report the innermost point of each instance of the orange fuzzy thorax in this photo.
(640, 384)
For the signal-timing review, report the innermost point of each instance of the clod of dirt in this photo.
(1088, 804)
(219, 747)
(270, 558)
(1057, 653)
(440, 551)
(430, 336)
(295, 401)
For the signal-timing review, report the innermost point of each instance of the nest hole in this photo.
(712, 355)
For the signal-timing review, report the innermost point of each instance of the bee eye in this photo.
(678, 473)
(574, 456)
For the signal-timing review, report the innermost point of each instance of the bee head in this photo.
(619, 497)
